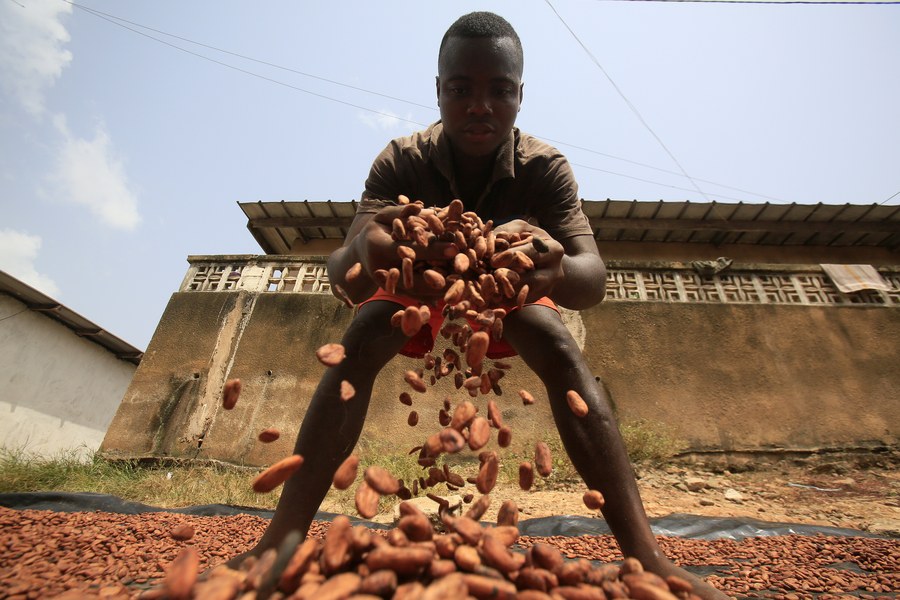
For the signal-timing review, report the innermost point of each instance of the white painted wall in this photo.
(58, 391)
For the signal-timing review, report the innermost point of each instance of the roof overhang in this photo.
(82, 327)
(276, 225)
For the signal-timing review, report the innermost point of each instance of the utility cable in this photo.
(627, 101)
(819, 2)
(119, 21)
(245, 57)
(245, 71)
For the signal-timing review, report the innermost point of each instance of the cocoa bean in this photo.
(526, 476)
(336, 548)
(467, 558)
(477, 510)
(479, 433)
(366, 500)
(268, 435)
(452, 441)
(330, 355)
(230, 393)
(338, 587)
(277, 474)
(545, 556)
(413, 419)
(504, 437)
(415, 382)
(380, 480)
(476, 348)
(382, 583)
(411, 321)
(405, 398)
(494, 414)
(182, 532)
(593, 499)
(463, 415)
(576, 403)
(542, 459)
(508, 513)
(346, 473)
(403, 561)
(181, 574)
(347, 390)
(527, 398)
(487, 475)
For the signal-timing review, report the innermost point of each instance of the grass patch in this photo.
(171, 486)
(162, 486)
(649, 441)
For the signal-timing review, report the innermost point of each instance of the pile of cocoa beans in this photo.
(412, 561)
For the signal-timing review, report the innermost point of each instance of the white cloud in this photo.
(388, 120)
(32, 56)
(91, 174)
(18, 252)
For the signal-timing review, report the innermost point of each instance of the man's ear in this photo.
(521, 95)
(437, 88)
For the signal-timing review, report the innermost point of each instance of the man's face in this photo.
(479, 91)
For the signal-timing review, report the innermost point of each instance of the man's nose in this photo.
(480, 105)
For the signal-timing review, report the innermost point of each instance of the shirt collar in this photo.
(441, 156)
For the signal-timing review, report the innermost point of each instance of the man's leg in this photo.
(593, 442)
(331, 427)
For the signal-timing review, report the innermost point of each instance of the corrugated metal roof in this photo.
(82, 327)
(275, 225)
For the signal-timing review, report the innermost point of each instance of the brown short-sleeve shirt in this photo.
(531, 181)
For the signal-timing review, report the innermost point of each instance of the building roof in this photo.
(275, 225)
(41, 303)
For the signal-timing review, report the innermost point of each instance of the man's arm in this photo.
(583, 283)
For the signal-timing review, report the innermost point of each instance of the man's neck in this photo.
(472, 176)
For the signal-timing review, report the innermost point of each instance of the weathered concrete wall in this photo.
(686, 252)
(732, 377)
(58, 391)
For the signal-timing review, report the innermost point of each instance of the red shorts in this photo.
(423, 342)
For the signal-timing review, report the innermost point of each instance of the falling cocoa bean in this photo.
(268, 435)
(230, 393)
(542, 459)
(277, 474)
(576, 403)
(330, 355)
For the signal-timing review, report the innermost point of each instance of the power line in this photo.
(754, 1)
(894, 196)
(674, 187)
(245, 71)
(627, 101)
(119, 21)
(245, 57)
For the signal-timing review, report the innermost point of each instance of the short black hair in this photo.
(482, 24)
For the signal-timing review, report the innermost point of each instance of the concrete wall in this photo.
(722, 376)
(686, 252)
(58, 391)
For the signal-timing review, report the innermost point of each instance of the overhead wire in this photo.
(245, 71)
(627, 101)
(121, 22)
(820, 2)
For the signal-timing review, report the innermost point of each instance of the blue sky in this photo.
(120, 155)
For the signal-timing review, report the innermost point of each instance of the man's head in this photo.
(479, 83)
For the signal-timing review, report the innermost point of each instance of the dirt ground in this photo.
(861, 493)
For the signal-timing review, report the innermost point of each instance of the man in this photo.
(475, 154)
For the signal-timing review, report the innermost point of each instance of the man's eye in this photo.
(457, 91)
(504, 92)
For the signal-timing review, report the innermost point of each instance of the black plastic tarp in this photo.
(675, 525)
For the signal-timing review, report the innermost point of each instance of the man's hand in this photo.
(569, 271)
(371, 243)
(546, 254)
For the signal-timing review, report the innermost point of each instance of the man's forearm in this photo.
(339, 262)
(583, 284)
